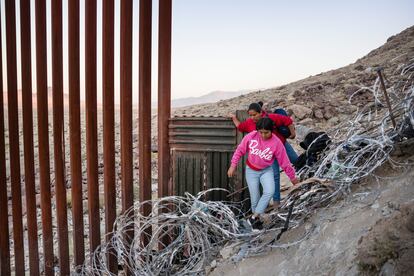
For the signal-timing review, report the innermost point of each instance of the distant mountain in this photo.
(211, 97)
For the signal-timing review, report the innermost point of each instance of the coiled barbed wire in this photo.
(363, 144)
(182, 235)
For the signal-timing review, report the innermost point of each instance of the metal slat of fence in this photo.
(126, 110)
(198, 182)
(43, 133)
(224, 181)
(209, 170)
(14, 137)
(126, 103)
(240, 177)
(164, 100)
(145, 11)
(190, 174)
(58, 137)
(4, 201)
(176, 174)
(91, 124)
(29, 175)
(164, 95)
(75, 132)
(216, 174)
(182, 175)
(109, 123)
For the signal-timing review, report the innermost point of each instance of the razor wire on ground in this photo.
(182, 235)
(178, 237)
(361, 145)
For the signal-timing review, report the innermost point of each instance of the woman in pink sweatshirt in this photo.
(263, 147)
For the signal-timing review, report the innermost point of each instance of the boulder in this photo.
(318, 114)
(328, 112)
(333, 121)
(300, 111)
(306, 122)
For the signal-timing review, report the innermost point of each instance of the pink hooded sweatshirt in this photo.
(262, 153)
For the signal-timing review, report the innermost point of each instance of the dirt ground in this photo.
(369, 232)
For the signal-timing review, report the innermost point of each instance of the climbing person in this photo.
(256, 112)
(263, 147)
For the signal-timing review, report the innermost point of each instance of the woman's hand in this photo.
(231, 171)
(234, 119)
(292, 131)
(294, 181)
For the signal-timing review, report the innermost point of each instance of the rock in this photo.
(410, 221)
(318, 114)
(388, 269)
(375, 206)
(229, 251)
(359, 67)
(333, 121)
(350, 89)
(306, 122)
(300, 111)
(328, 112)
(297, 94)
(302, 131)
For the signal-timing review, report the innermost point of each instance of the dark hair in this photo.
(256, 107)
(265, 123)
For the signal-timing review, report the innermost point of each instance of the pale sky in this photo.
(231, 45)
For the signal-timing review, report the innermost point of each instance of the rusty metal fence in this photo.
(57, 201)
(43, 226)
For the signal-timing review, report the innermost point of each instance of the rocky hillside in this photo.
(322, 100)
(369, 231)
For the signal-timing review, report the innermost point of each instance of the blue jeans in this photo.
(276, 169)
(253, 179)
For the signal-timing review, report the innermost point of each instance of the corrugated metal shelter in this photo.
(201, 151)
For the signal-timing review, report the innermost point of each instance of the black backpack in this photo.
(314, 143)
(283, 130)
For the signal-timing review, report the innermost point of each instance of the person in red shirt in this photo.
(256, 112)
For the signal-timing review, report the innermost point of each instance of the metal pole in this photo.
(14, 137)
(75, 133)
(43, 133)
(164, 95)
(91, 124)
(387, 99)
(164, 101)
(126, 118)
(28, 136)
(145, 15)
(4, 202)
(58, 136)
(109, 124)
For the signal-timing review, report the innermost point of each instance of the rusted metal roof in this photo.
(202, 133)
